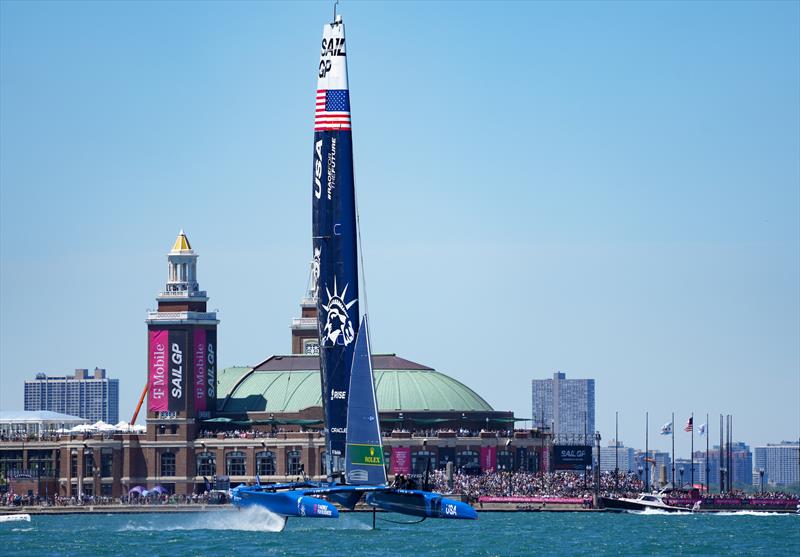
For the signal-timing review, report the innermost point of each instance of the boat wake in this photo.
(252, 519)
(750, 513)
(659, 512)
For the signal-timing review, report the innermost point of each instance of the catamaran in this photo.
(354, 450)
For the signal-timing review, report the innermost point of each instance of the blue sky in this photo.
(606, 189)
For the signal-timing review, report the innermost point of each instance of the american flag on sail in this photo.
(333, 110)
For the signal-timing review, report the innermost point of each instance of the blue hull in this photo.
(420, 503)
(286, 503)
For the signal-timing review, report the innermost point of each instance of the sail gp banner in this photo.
(211, 370)
(572, 457)
(157, 356)
(200, 370)
(334, 235)
(177, 360)
(488, 459)
(401, 460)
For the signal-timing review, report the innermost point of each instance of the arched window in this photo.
(106, 463)
(387, 458)
(294, 465)
(323, 463)
(466, 458)
(235, 464)
(88, 463)
(265, 463)
(206, 464)
(505, 460)
(422, 460)
(73, 463)
(168, 464)
(534, 461)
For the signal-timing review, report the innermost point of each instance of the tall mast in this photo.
(334, 237)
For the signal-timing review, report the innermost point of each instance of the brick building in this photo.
(264, 420)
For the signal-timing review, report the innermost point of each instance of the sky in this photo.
(611, 190)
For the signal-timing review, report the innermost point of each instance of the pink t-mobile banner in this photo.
(488, 459)
(401, 460)
(157, 355)
(199, 370)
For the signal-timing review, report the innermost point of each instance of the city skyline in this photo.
(625, 208)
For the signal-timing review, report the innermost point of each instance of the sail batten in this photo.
(334, 238)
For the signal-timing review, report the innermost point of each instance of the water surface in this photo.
(256, 532)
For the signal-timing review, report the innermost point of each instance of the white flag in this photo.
(666, 429)
(702, 429)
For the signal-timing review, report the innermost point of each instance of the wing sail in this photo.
(334, 234)
(364, 462)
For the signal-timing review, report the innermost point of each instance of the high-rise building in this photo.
(780, 461)
(617, 453)
(686, 466)
(741, 465)
(94, 397)
(566, 406)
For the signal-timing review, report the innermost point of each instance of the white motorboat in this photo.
(645, 502)
(22, 517)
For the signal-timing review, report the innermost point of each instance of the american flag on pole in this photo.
(689, 424)
(333, 110)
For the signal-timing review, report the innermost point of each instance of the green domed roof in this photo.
(292, 383)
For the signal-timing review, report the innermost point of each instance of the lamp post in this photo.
(510, 466)
(597, 471)
(761, 473)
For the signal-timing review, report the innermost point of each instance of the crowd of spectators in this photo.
(434, 432)
(539, 484)
(495, 484)
(17, 500)
(738, 494)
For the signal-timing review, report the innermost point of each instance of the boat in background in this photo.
(22, 517)
(645, 502)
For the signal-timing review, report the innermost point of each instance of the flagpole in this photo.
(616, 450)
(646, 450)
(673, 449)
(721, 459)
(730, 455)
(708, 434)
(692, 455)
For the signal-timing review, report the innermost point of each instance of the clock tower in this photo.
(181, 350)
(305, 334)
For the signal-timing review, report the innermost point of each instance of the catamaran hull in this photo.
(420, 503)
(288, 503)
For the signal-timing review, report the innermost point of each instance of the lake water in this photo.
(255, 532)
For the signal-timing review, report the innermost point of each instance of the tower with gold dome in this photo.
(181, 350)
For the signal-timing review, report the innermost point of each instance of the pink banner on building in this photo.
(559, 500)
(488, 459)
(401, 460)
(199, 380)
(157, 356)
